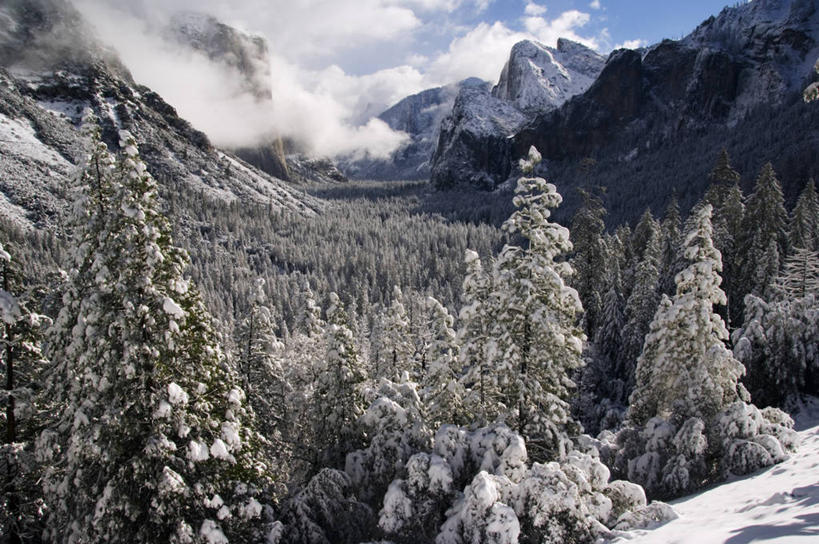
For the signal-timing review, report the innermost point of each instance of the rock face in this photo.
(756, 53)
(473, 147)
(419, 116)
(43, 94)
(539, 78)
(672, 102)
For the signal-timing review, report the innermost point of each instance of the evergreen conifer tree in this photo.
(442, 391)
(477, 346)
(804, 225)
(337, 397)
(539, 341)
(685, 369)
(21, 368)
(640, 309)
(765, 223)
(149, 439)
(264, 380)
(589, 258)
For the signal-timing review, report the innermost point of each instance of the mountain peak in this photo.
(540, 78)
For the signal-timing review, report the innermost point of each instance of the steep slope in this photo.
(419, 116)
(473, 147)
(61, 72)
(779, 504)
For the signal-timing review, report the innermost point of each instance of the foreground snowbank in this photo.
(779, 504)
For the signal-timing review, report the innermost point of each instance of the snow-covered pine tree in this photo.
(765, 222)
(804, 224)
(729, 212)
(799, 276)
(148, 440)
(337, 393)
(646, 227)
(589, 258)
(670, 264)
(640, 309)
(394, 349)
(21, 368)
(685, 369)
(474, 336)
(602, 393)
(260, 357)
(539, 340)
(777, 342)
(441, 389)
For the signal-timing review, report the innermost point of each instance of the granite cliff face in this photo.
(754, 54)
(473, 148)
(538, 78)
(660, 115)
(59, 71)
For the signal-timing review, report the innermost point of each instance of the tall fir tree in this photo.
(21, 368)
(588, 260)
(539, 340)
(477, 317)
(685, 369)
(338, 396)
(260, 357)
(670, 233)
(441, 389)
(765, 223)
(804, 224)
(640, 308)
(149, 440)
(395, 349)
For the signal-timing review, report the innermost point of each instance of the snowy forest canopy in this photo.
(378, 373)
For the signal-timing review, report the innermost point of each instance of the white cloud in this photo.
(564, 26)
(631, 44)
(594, 4)
(534, 10)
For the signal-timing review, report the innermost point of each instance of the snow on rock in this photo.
(539, 78)
(779, 504)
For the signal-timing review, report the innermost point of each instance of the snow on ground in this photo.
(777, 505)
(18, 138)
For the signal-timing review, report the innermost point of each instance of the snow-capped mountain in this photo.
(52, 70)
(656, 118)
(473, 147)
(539, 78)
(419, 116)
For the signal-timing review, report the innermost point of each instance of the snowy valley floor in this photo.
(776, 505)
